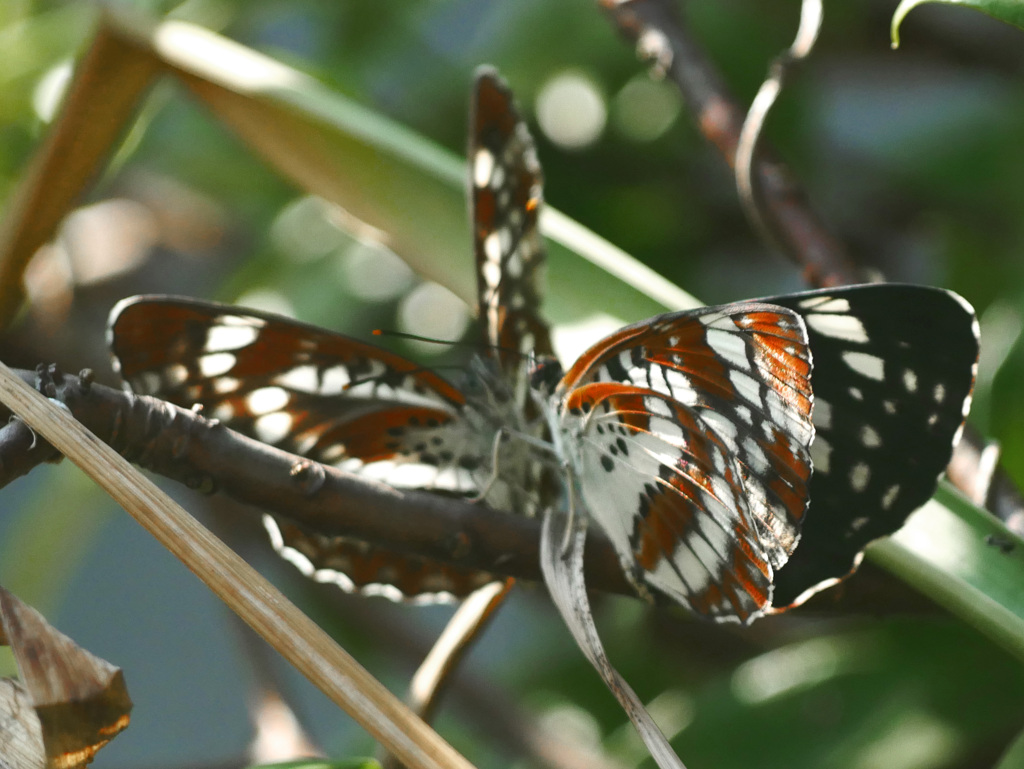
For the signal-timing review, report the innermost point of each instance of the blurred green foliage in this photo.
(914, 158)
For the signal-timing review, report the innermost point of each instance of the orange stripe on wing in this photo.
(744, 585)
(665, 521)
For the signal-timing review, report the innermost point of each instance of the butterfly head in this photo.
(545, 374)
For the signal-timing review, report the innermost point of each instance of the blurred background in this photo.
(913, 157)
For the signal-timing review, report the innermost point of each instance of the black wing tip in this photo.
(492, 96)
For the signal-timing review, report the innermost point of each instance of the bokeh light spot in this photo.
(571, 110)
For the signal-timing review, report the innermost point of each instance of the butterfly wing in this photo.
(689, 532)
(315, 393)
(303, 389)
(894, 368)
(714, 408)
(506, 190)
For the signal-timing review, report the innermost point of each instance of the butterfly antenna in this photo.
(451, 343)
(417, 337)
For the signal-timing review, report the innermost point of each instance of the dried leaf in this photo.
(80, 700)
(20, 732)
(563, 574)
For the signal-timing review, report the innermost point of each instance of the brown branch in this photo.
(207, 456)
(662, 38)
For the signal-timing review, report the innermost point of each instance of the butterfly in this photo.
(343, 402)
(707, 444)
(712, 428)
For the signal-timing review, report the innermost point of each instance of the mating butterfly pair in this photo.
(690, 437)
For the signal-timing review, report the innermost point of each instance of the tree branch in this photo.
(205, 455)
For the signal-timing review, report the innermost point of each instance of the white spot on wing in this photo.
(497, 180)
(216, 364)
(870, 366)
(306, 441)
(814, 302)
(755, 456)
(846, 327)
(222, 411)
(271, 428)
(483, 165)
(334, 380)
(225, 384)
(658, 406)
(833, 305)
(822, 414)
(966, 307)
(870, 437)
(175, 374)
(860, 474)
(889, 497)
(967, 406)
(729, 347)
(696, 569)
(335, 452)
(301, 378)
(666, 429)
(514, 266)
(230, 337)
(656, 379)
(821, 454)
(725, 427)
(267, 399)
(682, 389)
(492, 273)
(746, 386)
(492, 247)
(958, 435)
(413, 475)
(910, 380)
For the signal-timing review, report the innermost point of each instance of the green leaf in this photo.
(1013, 758)
(1010, 11)
(964, 559)
(885, 693)
(404, 186)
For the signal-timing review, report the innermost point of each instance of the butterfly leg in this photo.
(499, 438)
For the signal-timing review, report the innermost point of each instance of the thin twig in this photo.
(434, 674)
(470, 619)
(751, 198)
